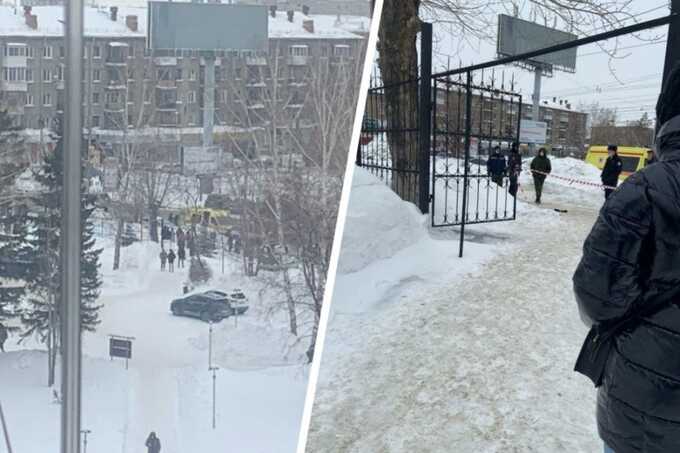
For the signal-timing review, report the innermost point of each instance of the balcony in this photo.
(298, 60)
(165, 61)
(256, 61)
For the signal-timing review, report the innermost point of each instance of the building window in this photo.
(47, 52)
(60, 73)
(163, 74)
(47, 99)
(112, 97)
(30, 52)
(178, 74)
(62, 52)
(341, 51)
(29, 75)
(95, 121)
(46, 75)
(131, 74)
(192, 74)
(29, 99)
(95, 98)
(14, 74)
(191, 97)
(298, 51)
(96, 52)
(324, 51)
(96, 75)
(15, 51)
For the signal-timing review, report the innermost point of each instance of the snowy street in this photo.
(167, 389)
(480, 358)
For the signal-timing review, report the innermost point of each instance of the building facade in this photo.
(135, 95)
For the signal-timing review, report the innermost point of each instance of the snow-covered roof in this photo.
(98, 23)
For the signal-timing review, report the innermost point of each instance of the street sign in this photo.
(120, 348)
(533, 132)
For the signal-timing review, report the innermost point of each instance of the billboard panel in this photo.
(207, 26)
(517, 36)
(533, 132)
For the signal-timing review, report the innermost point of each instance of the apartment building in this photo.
(134, 95)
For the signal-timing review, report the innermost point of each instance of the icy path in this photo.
(482, 364)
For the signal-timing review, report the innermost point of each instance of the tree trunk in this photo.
(398, 63)
(116, 250)
(153, 223)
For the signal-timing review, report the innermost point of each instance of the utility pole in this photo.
(71, 229)
(673, 44)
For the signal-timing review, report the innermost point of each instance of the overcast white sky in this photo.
(639, 70)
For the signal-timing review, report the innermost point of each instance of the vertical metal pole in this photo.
(519, 127)
(535, 113)
(673, 43)
(425, 111)
(214, 390)
(4, 430)
(209, 100)
(222, 236)
(468, 130)
(71, 229)
(210, 331)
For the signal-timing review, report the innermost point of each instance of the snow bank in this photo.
(378, 223)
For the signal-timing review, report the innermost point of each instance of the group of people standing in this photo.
(498, 168)
(169, 257)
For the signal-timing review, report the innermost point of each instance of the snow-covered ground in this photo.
(260, 386)
(428, 352)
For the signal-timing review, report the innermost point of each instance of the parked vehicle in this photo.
(210, 305)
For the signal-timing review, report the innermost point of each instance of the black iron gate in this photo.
(470, 120)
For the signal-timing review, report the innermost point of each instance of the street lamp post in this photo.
(214, 385)
(85, 432)
(210, 332)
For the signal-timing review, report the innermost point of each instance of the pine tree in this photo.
(15, 261)
(42, 314)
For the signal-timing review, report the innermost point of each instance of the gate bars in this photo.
(473, 128)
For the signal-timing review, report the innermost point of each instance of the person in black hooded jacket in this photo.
(631, 259)
(612, 170)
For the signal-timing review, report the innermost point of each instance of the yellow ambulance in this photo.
(633, 158)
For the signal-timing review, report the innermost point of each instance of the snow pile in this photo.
(562, 183)
(378, 223)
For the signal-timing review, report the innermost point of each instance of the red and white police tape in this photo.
(573, 180)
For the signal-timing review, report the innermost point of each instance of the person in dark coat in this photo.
(153, 443)
(3, 337)
(496, 166)
(611, 171)
(171, 260)
(631, 259)
(181, 238)
(164, 257)
(540, 169)
(181, 256)
(514, 169)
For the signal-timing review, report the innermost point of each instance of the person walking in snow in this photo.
(611, 171)
(163, 256)
(540, 169)
(171, 260)
(514, 169)
(3, 337)
(496, 166)
(627, 287)
(181, 256)
(153, 443)
(181, 239)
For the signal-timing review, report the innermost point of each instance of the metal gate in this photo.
(469, 121)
